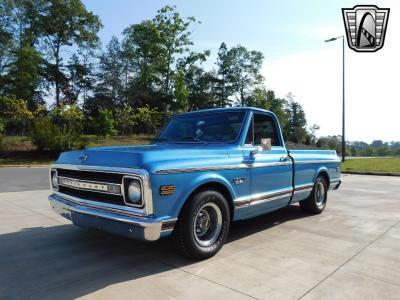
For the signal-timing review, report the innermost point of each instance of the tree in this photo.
(60, 130)
(111, 73)
(149, 119)
(142, 48)
(377, 144)
(6, 38)
(174, 40)
(104, 123)
(277, 106)
(295, 128)
(1, 133)
(244, 71)
(153, 48)
(181, 93)
(20, 62)
(66, 23)
(311, 136)
(266, 99)
(79, 77)
(124, 119)
(14, 110)
(25, 75)
(198, 82)
(329, 142)
(223, 88)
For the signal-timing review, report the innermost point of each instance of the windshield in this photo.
(213, 127)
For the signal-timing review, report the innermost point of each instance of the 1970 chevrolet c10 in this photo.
(204, 170)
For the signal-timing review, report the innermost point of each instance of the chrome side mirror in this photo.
(266, 145)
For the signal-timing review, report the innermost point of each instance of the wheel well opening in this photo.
(218, 187)
(326, 177)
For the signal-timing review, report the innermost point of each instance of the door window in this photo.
(262, 127)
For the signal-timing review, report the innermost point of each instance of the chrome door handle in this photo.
(284, 158)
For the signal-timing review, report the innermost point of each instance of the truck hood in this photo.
(151, 157)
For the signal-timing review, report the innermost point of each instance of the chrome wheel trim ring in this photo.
(320, 193)
(207, 224)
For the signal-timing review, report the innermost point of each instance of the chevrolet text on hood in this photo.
(204, 170)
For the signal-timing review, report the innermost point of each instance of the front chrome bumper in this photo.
(335, 184)
(110, 219)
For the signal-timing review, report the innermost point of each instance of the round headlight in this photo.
(134, 192)
(54, 180)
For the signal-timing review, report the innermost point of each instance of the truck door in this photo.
(270, 170)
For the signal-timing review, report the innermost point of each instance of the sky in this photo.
(291, 36)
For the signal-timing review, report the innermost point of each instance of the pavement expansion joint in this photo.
(350, 258)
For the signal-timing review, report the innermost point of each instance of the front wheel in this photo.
(203, 225)
(316, 202)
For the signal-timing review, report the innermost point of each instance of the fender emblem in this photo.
(239, 180)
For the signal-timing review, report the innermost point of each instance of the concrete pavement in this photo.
(351, 251)
(23, 179)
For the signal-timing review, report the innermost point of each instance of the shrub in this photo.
(68, 118)
(15, 111)
(46, 135)
(149, 119)
(1, 133)
(104, 124)
(124, 119)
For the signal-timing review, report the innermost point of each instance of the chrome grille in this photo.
(105, 187)
(91, 175)
(92, 196)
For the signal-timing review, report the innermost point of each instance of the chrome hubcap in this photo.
(207, 224)
(320, 193)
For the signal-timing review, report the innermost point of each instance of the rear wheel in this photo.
(316, 202)
(203, 225)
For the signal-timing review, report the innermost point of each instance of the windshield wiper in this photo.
(160, 139)
(190, 138)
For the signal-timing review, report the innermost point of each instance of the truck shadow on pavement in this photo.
(65, 262)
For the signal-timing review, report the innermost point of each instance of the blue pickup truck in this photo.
(204, 170)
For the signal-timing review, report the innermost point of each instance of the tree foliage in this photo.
(104, 123)
(244, 71)
(60, 130)
(49, 52)
(125, 119)
(65, 23)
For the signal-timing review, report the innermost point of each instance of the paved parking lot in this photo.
(349, 251)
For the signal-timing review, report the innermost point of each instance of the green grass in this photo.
(25, 161)
(17, 143)
(379, 165)
(19, 150)
(96, 141)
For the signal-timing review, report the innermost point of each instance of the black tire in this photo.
(196, 237)
(316, 202)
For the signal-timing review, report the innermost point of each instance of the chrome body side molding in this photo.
(262, 198)
(222, 167)
(302, 162)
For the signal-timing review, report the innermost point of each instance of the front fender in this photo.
(197, 181)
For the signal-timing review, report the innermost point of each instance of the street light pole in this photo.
(343, 109)
(343, 97)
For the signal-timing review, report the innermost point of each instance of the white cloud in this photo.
(372, 83)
